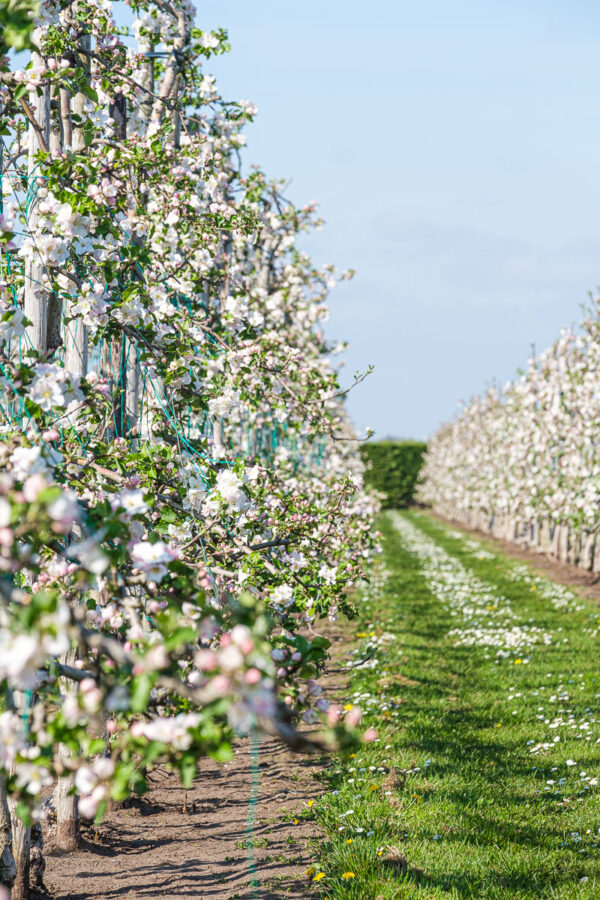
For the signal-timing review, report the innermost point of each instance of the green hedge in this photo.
(394, 468)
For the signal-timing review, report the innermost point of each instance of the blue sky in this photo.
(455, 152)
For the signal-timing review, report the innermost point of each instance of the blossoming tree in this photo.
(524, 462)
(180, 494)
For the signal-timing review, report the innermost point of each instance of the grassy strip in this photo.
(467, 793)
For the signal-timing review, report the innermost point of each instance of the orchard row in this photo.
(524, 462)
(181, 497)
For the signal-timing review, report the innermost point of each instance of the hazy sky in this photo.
(455, 152)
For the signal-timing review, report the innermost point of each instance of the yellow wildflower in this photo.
(319, 876)
(348, 875)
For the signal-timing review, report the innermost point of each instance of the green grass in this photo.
(450, 801)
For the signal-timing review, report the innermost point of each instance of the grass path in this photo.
(483, 681)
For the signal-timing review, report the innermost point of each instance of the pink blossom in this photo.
(353, 717)
(33, 486)
(206, 660)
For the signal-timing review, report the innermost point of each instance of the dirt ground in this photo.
(587, 583)
(173, 843)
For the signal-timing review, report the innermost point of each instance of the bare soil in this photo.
(173, 843)
(586, 583)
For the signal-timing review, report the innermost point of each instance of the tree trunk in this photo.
(8, 869)
(21, 833)
(37, 863)
(21, 850)
(596, 555)
(67, 806)
(67, 813)
(586, 559)
(545, 536)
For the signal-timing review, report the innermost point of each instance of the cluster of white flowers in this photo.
(229, 488)
(488, 617)
(151, 559)
(12, 738)
(21, 654)
(53, 386)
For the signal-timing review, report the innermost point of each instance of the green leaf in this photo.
(223, 753)
(180, 637)
(89, 92)
(141, 692)
(188, 771)
(23, 813)
(88, 133)
(100, 812)
(320, 643)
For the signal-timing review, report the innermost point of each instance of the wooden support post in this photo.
(75, 332)
(76, 362)
(555, 539)
(544, 542)
(54, 315)
(35, 302)
(116, 351)
(574, 549)
(563, 543)
(136, 406)
(114, 365)
(132, 389)
(534, 533)
(35, 306)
